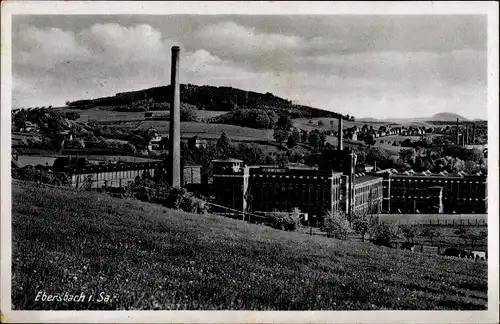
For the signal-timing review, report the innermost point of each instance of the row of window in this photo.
(116, 174)
(431, 197)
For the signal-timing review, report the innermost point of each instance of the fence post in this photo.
(439, 249)
(421, 248)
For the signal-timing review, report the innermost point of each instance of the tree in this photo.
(316, 139)
(280, 135)
(281, 160)
(471, 167)
(369, 139)
(430, 233)
(331, 123)
(458, 165)
(293, 139)
(462, 233)
(224, 146)
(321, 123)
(385, 234)
(362, 223)
(407, 143)
(336, 225)
(252, 154)
(407, 156)
(188, 114)
(409, 232)
(284, 122)
(304, 136)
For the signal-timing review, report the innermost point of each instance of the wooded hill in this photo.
(210, 98)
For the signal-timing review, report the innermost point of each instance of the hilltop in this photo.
(208, 98)
(446, 116)
(148, 257)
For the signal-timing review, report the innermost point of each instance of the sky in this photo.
(366, 66)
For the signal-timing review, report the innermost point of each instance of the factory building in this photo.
(426, 192)
(312, 191)
(117, 174)
(339, 185)
(332, 186)
(368, 194)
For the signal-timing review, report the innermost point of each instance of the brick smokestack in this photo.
(458, 134)
(340, 136)
(174, 176)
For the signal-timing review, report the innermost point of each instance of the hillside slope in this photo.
(145, 256)
(209, 98)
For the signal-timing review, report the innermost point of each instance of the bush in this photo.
(336, 225)
(409, 231)
(385, 234)
(72, 115)
(284, 221)
(179, 198)
(188, 113)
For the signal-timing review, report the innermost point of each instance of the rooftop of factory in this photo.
(427, 173)
(109, 167)
(362, 177)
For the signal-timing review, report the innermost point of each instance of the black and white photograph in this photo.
(256, 157)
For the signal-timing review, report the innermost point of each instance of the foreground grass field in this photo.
(145, 256)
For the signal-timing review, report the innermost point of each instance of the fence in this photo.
(436, 219)
(439, 249)
(446, 222)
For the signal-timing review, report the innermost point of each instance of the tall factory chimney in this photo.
(473, 133)
(458, 134)
(174, 174)
(340, 136)
(467, 139)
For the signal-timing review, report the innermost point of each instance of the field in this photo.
(205, 130)
(107, 114)
(144, 256)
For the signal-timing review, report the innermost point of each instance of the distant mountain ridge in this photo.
(446, 116)
(442, 116)
(210, 98)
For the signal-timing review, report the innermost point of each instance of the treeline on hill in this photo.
(254, 118)
(208, 98)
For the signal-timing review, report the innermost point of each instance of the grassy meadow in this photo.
(205, 130)
(146, 257)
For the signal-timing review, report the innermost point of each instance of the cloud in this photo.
(228, 36)
(331, 69)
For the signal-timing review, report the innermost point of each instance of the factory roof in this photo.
(109, 167)
(361, 177)
(427, 173)
(291, 171)
(228, 160)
